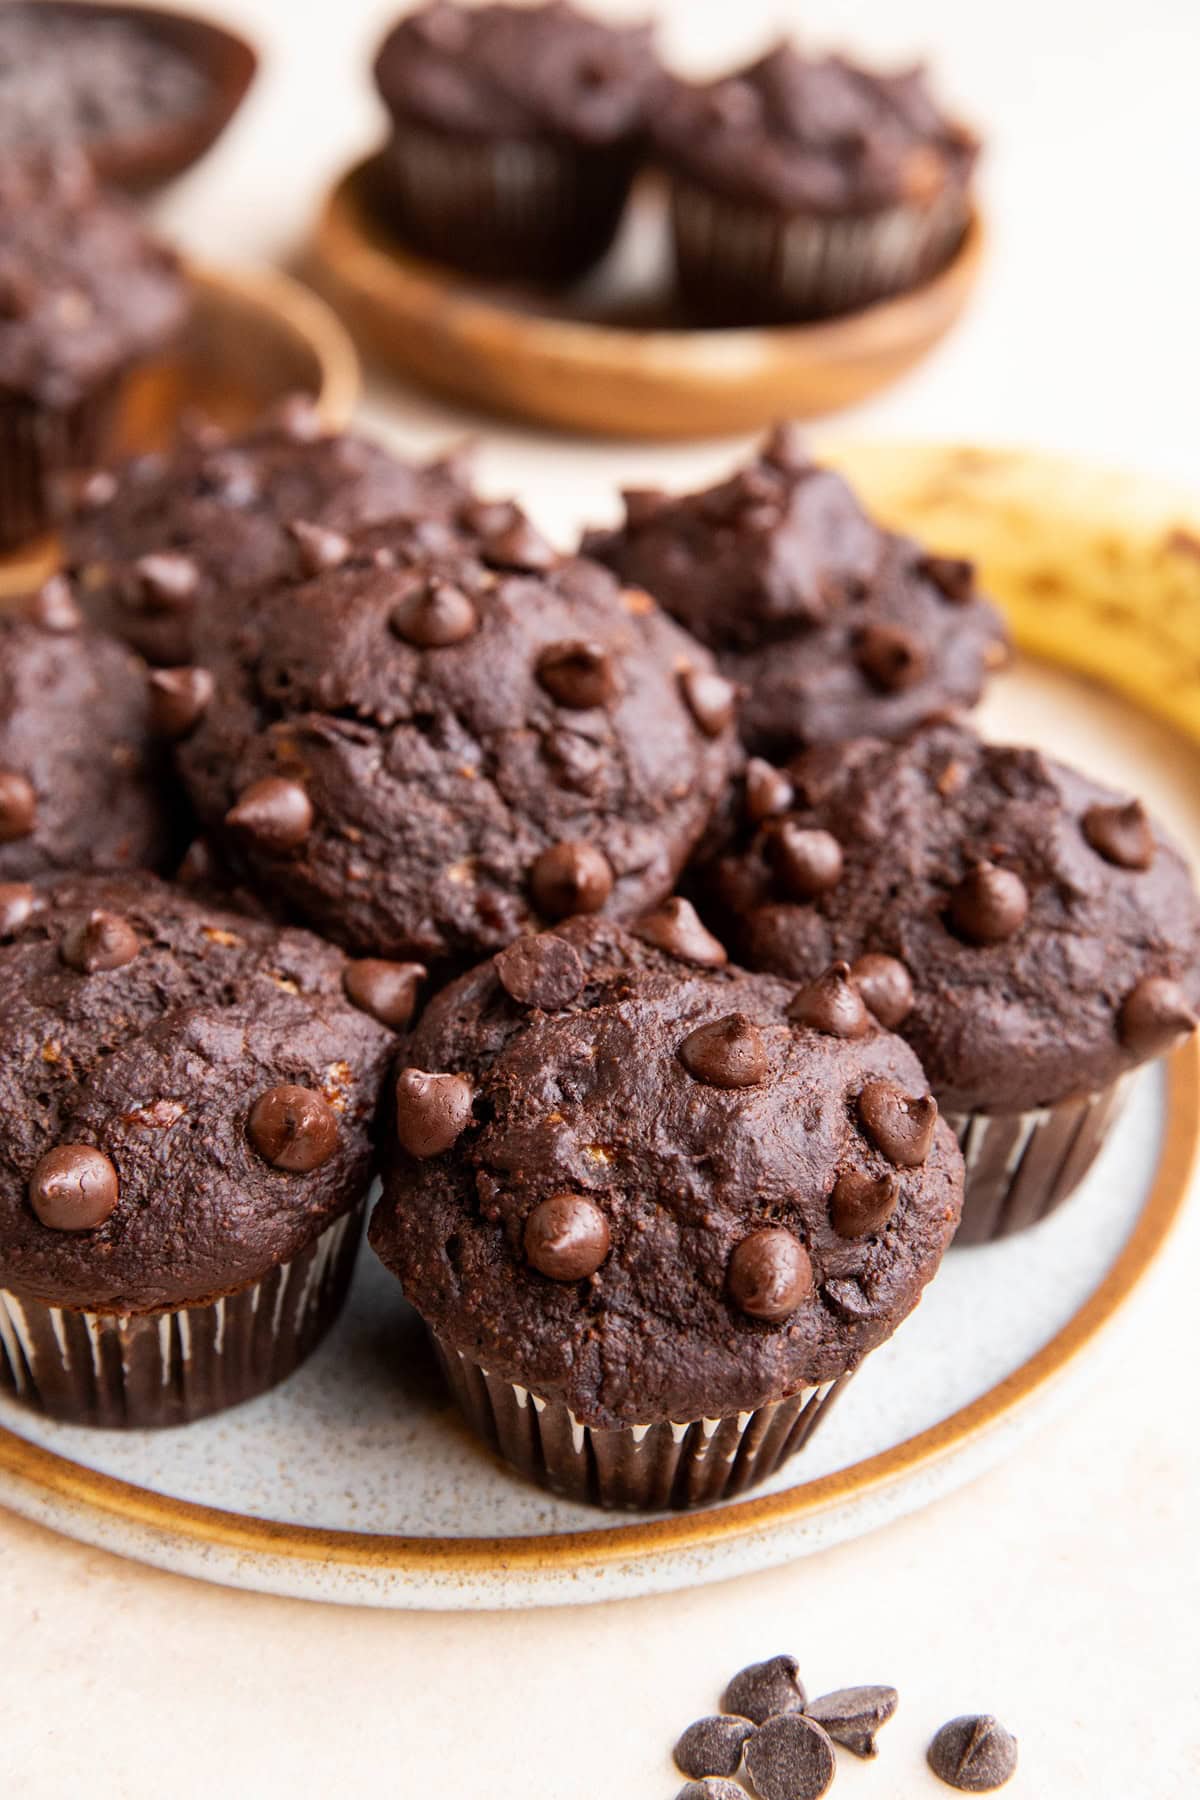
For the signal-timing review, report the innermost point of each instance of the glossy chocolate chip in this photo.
(853, 1716)
(519, 545)
(1154, 1015)
(989, 904)
(763, 1689)
(434, 616)
(572, 877)
(676, 927)
(293, 1128)
(74, 1188)
(1120, 834)
(974, 1754)
(101, 942)
(712, 1746)
(577, 673)
(770, 1274)
(543, 971)
(18, 903)
(861, 1204)
(808, 861)
(318, 547)
(432, 1111)
(768, 790)
(726, 1053)
(790, 1758)
(899, 1126)
(166, 580)
(886, 986)
(710, 698)
(567, 1237)
(179, 699)
(952, 576)
(890, 658)
(386, 990)
(275, 814)
(831, 1004)
(18, 806)
(53, 607)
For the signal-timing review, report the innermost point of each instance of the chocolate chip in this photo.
(166, 580)
(989, 904)
(831, 1004)
(763, 1689)
(386, 990)
(577, 673)
(890, 658)
(770, 1274)
(847, 1299)
(432, 1111)
(711, 700)
(807, 861)
(572, 877)
(18, 806)
(768, 790)
(676, 927)
(642, 505)
(275, 814)
(1154, 1015)
(567, 1237)
(178, 700)
(790, 1758)
(53, 607)
(973, 1754)
(852, 1716)
(861, 1204)
(953, 576)
(519, 545)
(318, 547)
(74, 1188)
(712, 1746)
(543, 971)
(100, 942)
(293, 1128)
(713, 1789)
(897, 1124)
(886, 986)
(726, 1053)
(18, 903)
(435, 615)
(1120, 834)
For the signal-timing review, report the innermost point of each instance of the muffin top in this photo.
(153, 543)
(1030, 932)
(517, 72)
(637, 1180)
(831, 627)
(81, 776)
(187, 1097)
(84, 288)
(443, 741)
(815, 134)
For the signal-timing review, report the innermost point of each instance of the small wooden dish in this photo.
(530, 356)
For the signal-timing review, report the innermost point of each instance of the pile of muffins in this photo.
(348, 828)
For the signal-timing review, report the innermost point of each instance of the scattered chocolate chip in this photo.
(293, 1128)
(713, 1789)
(676, 927)
(807, 861)
(712, 1746)
(1154, 1015)
(318, 547)
(886, 986)
(726, 1053)
(543, 971)
(989, 904)
(847, 1299)
(386, 990)
(18, 806)
(710, 698)
(275, 814)
(763, 1689)
(790, 1758)
(167, 581)
(768, 790)
(18, 903)
(1120, 834)
(178, 700)
(572, 877)
(953, 576)
(100, 942)
(770, 1274)
(577, 674)
(642, 505)
(53, 607)
(435, 615)
(567, 1237)
(432, 1111)
(897, 1124)
(74, 1188)
(831, 1004)
(861, 1204)
(973, 1754)
(853, 1716)
(519, 545)
(890, 658)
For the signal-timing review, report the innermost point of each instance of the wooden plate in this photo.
(511, 354)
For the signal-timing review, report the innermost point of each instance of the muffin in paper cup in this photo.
(654, 1211)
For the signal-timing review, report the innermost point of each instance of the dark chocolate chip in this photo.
(167, 581)
(973, 1754)
(572, 877)
(435, 615)
(953, 576)
(726, 1053)
(53, 607)
(989, 904)
(577, 674)
(543, 971)
(770, 1274)
(710, 698)
(318, 547)
(567, 1237)
(897, 1124)
(768, 790)
(853, 1716)
(74, 1188)
(18, 806)
(712, 1746)
(100, 942)
(275, 814)
(807, 861)
(763, 1689)
(890, 658)
(676, 927)
(831, 1004)
(432, 1111)
(861, 1204)
(1154, 1015)
(18, 903)
(886, 986)
(847, 1299)
(386, 990)
(713, 1789)
(519, 545)
(642, 505)
(1120, 834)
(790, 1758)
(179, 699)
(293, 1128)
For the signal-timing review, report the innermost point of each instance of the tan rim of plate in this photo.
(424, 321)
(1120, 560)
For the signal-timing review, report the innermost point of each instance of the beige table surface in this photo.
(1062, 1591)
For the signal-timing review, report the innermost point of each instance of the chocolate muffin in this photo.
(655, 1210)
(442, 741)
(86, 295)
(155, 542)
(1031, 933)
(516, 134)
(187, 1103)
(82, 777)
(803, 187)
(830, 627)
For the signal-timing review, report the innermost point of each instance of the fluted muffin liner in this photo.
(1021, 1166)
(640, 1468)
(741, 264)
(38, 446)
(174, 1365)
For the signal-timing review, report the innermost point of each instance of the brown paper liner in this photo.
(1020, 1166)
(38, 446)
(170, 1367)
(647, 1468)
